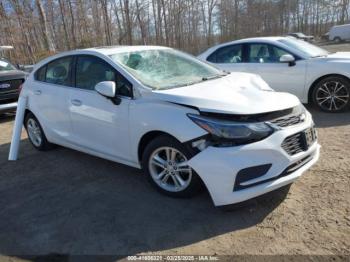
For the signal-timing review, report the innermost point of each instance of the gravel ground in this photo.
(65, 203)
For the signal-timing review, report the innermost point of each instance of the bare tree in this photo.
(38, 28)
(45, 27)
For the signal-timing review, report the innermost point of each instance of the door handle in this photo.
(37, 92)
(76, 102)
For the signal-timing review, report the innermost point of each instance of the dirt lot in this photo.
(67, 203)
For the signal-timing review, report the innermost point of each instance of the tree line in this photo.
(38, 28)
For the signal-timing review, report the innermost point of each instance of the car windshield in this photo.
(309, 50)
(6, 66)
(165, 68)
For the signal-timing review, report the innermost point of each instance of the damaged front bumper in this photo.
(238, 173)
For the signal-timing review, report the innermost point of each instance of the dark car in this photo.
(11, 80)
(301, 36)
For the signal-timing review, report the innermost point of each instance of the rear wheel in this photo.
(337, 39)
(35, 133)
(164, 162)
(332, 94)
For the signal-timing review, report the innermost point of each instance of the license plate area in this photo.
(309, 137)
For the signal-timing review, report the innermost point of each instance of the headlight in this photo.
(230, 133)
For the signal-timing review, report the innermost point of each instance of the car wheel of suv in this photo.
(35, 133)
(337, 39)
(332, 94)
(164, 162)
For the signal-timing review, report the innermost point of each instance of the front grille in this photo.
(295, 166)
(293, 144)
(13, 86)
(288, 120)
(299, 142)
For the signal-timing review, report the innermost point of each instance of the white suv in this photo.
(182, 121)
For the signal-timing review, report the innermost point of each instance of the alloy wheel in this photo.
(34, 132)
(332, 96)
(169, 169)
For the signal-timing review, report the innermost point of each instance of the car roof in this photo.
(246, 40)
(101, 50)
(253, 39)
(108, 50)
(268, 39)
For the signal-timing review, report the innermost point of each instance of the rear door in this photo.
(51, 98)
(99, 124)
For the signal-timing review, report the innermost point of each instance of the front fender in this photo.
(148, 115)
(319, 70)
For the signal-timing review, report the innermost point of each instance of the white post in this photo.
(17, 128)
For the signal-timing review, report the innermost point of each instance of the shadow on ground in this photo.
(66, 203)
(323, 119)
(7, 117)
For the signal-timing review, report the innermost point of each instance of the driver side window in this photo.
(227, 55)
(264, 53)
(91, 70)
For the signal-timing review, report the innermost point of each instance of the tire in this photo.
(337, 39)
(167, 169)
(36, 134)
(332, 94)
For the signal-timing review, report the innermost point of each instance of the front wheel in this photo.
(332, 94)
(164, 162)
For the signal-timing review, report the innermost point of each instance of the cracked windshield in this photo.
(164, 69)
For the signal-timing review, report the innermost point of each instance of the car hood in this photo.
(338, 56)
(12, 74)
(237, 93)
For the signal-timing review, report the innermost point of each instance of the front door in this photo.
(264, 60)
(99, 124)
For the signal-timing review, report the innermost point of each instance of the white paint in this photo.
(17, 128)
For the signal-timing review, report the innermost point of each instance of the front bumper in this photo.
(218, 167)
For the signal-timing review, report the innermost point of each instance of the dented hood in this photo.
(236, 93)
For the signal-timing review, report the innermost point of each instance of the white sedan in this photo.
(181, 120)
(290, 65)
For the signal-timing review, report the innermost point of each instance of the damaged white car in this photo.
(184, 122)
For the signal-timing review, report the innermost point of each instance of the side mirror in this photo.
(107, 89)
(288, 59)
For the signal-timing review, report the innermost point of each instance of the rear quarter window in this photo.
(40, 74)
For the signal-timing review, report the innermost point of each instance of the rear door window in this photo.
(227, 55)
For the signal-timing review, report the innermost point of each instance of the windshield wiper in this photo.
(213, 77)
(320, 55)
